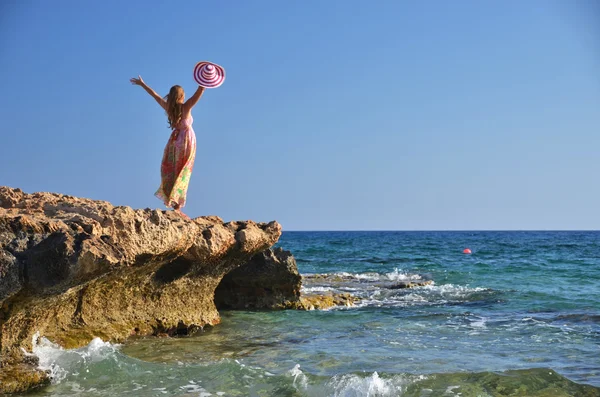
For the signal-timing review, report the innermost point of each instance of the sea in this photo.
(518, 316)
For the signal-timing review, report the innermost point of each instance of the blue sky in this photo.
(335, 115)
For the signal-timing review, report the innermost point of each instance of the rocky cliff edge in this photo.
(73, 269)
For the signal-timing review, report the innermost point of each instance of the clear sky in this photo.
(335, 115)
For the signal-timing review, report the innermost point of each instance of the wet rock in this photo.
(21, 378)
(534, 382)
(325, 301)
(409, 284)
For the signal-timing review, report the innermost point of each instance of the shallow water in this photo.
(525, 301)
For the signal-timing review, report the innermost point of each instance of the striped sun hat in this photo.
(208, 74)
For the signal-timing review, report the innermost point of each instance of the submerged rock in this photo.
(324, 291)
(534, 382)
(409, 284)
(325, 301)
(73, 269)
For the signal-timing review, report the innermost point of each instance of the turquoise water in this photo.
(524, 301)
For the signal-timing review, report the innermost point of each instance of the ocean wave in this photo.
(60, 362)
(347, 385)
(315, 289)
(395, 289)
(100, 369)
(535, 381)
(395, 275)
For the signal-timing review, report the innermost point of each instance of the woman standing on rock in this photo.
(180, 152)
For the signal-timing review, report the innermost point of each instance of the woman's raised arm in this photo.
(189, 104)
(149, 90)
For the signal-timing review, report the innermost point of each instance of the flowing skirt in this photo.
(176, 167)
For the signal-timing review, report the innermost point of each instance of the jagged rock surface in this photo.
(74, 268)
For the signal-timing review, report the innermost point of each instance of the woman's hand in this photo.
(149, 90)
(137, 81)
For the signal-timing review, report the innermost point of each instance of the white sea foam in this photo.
(48, 353)
(57, 360)
(479, 322)
(315, 289)
(452, 292)
(366, 276)
(351, 385)
(431, 294)
(300, 380)
(449, 391)
(397, 275)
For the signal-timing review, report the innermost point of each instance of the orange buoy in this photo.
(466, 251)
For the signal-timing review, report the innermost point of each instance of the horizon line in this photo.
(442, 230)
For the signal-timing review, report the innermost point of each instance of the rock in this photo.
(21, 378)
(330, 278)
(10, 282)
(409, 284)
(328, 299)
(325, 301)
(73, 269)
(270, 280)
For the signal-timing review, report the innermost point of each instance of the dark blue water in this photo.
(526, 301)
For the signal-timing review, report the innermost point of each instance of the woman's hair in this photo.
(174, 105)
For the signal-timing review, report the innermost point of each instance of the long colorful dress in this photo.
(177, 164)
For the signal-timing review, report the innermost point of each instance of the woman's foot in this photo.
(184, 216)
(177, 209)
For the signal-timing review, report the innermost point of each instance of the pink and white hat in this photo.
(208, 74)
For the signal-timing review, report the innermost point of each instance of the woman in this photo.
(180, 152)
